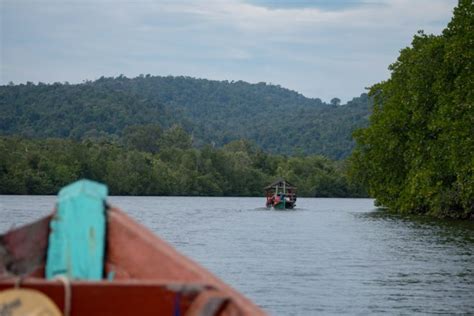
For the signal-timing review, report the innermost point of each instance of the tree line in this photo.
(167, 166)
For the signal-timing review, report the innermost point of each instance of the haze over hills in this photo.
(216, 112)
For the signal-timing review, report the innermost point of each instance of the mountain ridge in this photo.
(277, 119)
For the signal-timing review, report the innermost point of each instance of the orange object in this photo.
(150, 276)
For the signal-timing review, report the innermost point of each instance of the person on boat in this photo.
(270, 200)
(276, 200)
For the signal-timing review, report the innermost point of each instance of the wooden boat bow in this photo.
(149, 276)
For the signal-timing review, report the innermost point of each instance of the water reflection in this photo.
(460, 232)
(432, 260)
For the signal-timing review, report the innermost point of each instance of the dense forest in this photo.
(278, 120)
(417, 155)
(152, 161)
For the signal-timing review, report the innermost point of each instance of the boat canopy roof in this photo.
(280, 183)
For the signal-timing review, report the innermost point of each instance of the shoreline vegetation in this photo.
(168, 165)
(416, 156)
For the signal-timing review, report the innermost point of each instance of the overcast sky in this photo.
(321, 48)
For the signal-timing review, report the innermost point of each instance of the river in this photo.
(328, 256)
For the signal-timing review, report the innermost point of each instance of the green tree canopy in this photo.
(417, 154)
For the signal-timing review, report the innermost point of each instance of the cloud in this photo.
(317, 48)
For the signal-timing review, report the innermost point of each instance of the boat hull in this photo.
(284, 205)
(148, 275)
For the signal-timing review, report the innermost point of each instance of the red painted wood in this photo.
(112, 298)
(25, 247)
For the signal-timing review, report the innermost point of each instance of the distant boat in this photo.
(139, 274)
(280, 195)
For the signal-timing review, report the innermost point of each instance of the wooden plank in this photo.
(24, 248)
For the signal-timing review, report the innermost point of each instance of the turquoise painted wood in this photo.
(77, 238)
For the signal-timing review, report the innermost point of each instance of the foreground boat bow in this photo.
(147, 275)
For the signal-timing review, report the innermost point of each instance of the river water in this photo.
(328, 256)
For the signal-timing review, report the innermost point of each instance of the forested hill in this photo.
(214, 112)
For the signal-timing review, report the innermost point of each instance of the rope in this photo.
(67, 293)
(19, 281)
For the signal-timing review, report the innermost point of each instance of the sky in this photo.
(320, 48)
